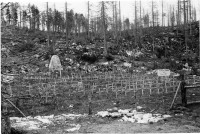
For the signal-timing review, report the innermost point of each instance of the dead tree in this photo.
(162, 13)
(185, 24)
(135, 24)
(104, 28)
(120, 24)
(116, 24)
(48, 24)
(66, 25)
(178, 15)
(20, 18)
(190, 15)
(88, 19)
(140, 25)
(172, 19)
(152, 13)
(113, 26)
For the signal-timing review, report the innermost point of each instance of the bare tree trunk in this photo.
(178, 15)
(116, 27)
(140, 14)
(54, 12)
(30, 19)
(76, 28)
(20, 18)
(169, 18)
(135, 24)
(185, 23)
(48, 24)
(152, 13)
(104, 28)
(120, 23)
(190, 16)
(173, 19)
(54, 31)
(195, 15)
(199, 40)
(113, 19)
(66, 24)
(187, 13)
(88, 19)
(95, 26)
(140, 25)
(170, 15)
(162, 13)
(143, 17)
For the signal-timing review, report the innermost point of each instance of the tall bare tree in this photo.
(120, 24)
(153, 13)
(66, 21)
(104, 28)
(162, 14)
(88, 19)
(48, 25)
(116, 25)
(135, 23)
(185, 23)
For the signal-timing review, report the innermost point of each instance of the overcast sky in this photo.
(127, 6)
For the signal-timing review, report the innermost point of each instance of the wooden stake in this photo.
(175, 95)
(14, 106)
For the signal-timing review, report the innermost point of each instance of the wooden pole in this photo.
(175, 95)
(183, 91)
(14, 106)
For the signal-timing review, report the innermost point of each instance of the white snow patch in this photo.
(39, 122)
(133, 116)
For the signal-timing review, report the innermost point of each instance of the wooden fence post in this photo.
(183, 91)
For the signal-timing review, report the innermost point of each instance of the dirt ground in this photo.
(188, 122)
(126, 127)
(182, 121)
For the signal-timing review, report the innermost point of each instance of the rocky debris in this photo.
(132, 115)
(76, 127)
(43, 122)
(7, 78)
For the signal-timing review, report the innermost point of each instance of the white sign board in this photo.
(163, 72)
